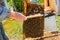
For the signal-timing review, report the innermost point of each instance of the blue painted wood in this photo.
(34, 1)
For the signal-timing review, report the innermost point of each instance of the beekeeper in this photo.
(4, 13)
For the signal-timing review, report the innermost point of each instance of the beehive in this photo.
(34, 27)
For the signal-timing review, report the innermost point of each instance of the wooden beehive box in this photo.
(34, 26)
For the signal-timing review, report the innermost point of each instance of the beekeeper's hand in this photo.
(17, 16)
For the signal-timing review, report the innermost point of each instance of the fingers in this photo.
(20, 17)
(17, 16)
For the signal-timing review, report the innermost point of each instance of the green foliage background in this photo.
(41, 2)
(19, 5)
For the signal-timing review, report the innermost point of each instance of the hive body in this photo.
(34, 27)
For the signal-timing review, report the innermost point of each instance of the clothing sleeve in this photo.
(3, 34)
(4, 14)
(4, 11)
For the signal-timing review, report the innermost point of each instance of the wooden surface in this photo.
(36, 15)
(47, 36)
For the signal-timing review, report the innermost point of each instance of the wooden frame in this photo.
(50, 4)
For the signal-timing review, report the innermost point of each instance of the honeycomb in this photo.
(33, 9)
(33, 27)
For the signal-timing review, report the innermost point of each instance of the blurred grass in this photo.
(13, 29)
(58, 22)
